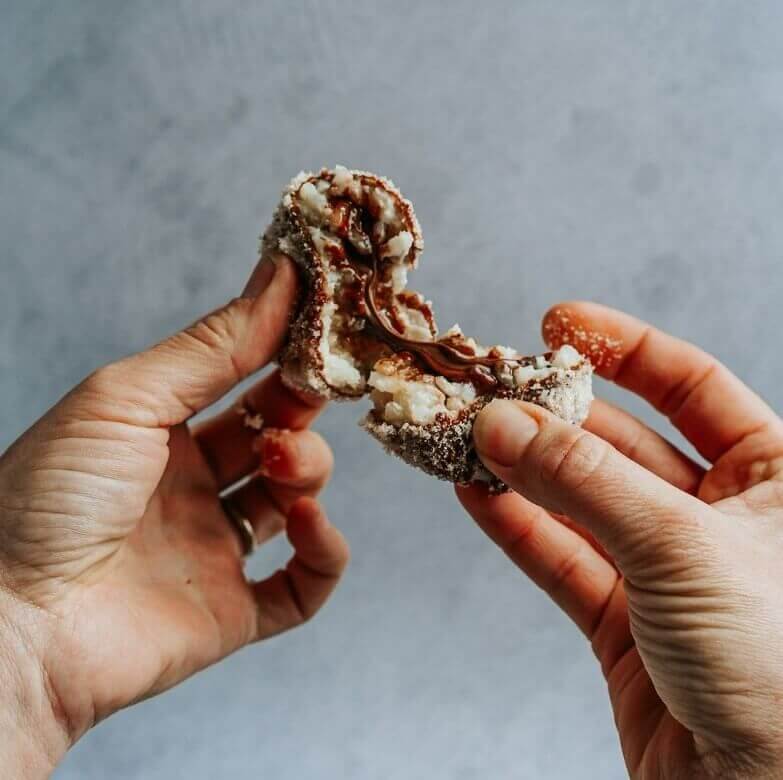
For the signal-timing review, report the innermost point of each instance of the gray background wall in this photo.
(628, 152)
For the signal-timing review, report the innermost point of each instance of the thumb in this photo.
(185, 373)
(633, 513)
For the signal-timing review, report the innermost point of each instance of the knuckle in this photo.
(302, 608)
(681, 393)
(101, 394)
(517, 543)
(102, 381)
(572, 458)
(327, 457)
(564, 571)
(217, 330)
(634, 443)
(220, 332)
(107, 394)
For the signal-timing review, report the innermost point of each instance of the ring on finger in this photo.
(240, 523)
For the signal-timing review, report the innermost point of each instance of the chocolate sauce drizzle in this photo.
(354, 226)
(443, 358)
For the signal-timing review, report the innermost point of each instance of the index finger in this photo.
(711, 407)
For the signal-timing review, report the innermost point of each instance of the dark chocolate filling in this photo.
(440, 356)
(448, 357)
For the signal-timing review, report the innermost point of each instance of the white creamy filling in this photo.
(340, 372)
(478, 350)
(385, 205)
(321, 240)
(397, 247)
(566, 357)
(416, 325)
(342, 177)
(340, 369)
(419, 402)
(463, 392)
(399, 277)
(313, 203)
(402, 400)
(525, 374)
(344, 183)
(339, 366)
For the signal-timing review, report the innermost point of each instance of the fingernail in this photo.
(261, 277)
(502, 431)
(270, 446)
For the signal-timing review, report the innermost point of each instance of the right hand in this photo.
(672, 571)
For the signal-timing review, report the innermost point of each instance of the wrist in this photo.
(33, 736)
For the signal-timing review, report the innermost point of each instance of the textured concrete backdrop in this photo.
(628, 152)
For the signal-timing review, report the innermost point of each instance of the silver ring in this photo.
(241, 524)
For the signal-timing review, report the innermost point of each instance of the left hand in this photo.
(120, 574)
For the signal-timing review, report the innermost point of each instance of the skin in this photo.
(672, 571)
(120, 575)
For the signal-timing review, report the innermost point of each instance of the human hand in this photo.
(120, 574)
(671, 571)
